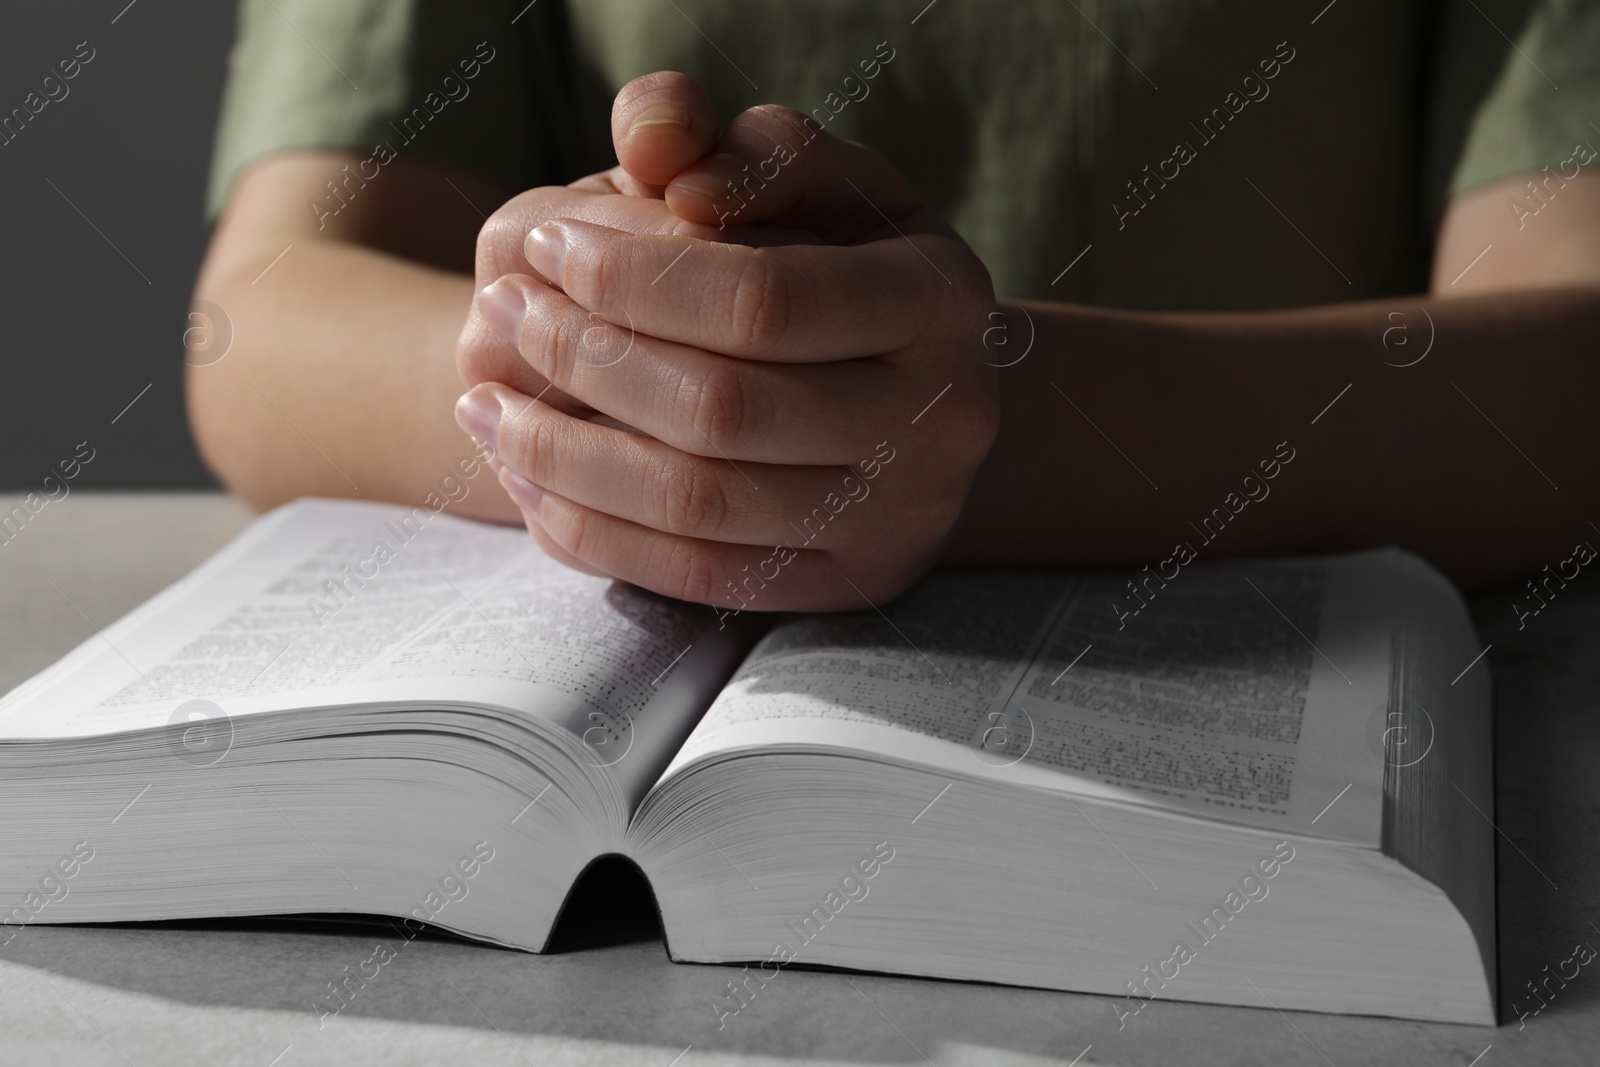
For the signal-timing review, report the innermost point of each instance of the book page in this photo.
(325, 603)
(1238, 692)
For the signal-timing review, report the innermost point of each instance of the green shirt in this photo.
(1177, 154)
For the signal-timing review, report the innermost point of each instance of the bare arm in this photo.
(1121, 437)
(1120, 430)
(341, 376)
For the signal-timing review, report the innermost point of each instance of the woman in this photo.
(1359, 248)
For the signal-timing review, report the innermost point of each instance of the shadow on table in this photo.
(607, 978)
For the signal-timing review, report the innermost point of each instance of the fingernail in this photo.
(546, 250)
(502, 304)
(479, 415)
(523, 493)
(710, 177)
(661, 113)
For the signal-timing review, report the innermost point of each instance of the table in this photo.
(240, 992)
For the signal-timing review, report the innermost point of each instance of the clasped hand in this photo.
(742, 370)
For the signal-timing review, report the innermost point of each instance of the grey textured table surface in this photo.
(240, 993)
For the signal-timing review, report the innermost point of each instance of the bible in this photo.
(1241, 780)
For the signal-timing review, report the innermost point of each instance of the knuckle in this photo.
(973, 283)
(786, 123)
(592, 276)
(763, 303)
(689, 572)
(927, 305)
(718, 405)
(575, 529)
(691, 499)
(493, 237)
(960, 301)
(551, 338)
(532, 443)
(501, 237)
(781, 112)
(474, 354)
(499, 248)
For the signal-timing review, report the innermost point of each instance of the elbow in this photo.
(218, 405)
(210, 388)
(224, 445)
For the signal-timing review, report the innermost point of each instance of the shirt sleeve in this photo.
(459, 82)
(1516, 87)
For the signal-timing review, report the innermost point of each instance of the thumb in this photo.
(660, 124)
(776, 164)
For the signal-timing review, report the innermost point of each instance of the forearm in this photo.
(340, 381)
(1123, 432)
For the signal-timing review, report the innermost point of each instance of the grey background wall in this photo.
(101, 231)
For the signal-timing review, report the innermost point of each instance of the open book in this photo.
(1269, 780)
